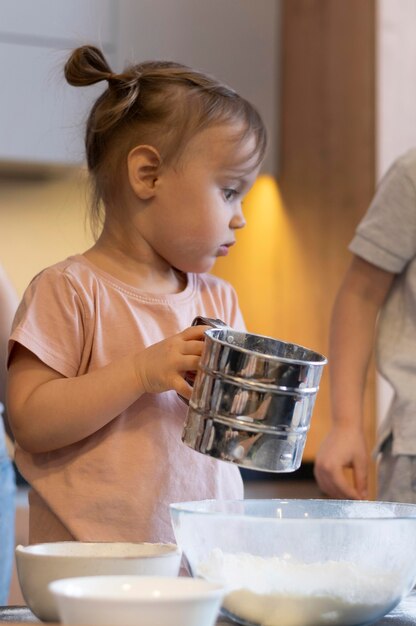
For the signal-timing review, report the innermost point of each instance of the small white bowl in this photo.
(39, 564)
(133, 600)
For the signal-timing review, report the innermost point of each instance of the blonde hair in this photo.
(156, 102)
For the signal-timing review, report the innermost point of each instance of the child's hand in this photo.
(162, 367)
(343, 449)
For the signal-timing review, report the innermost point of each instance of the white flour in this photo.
(282, 592)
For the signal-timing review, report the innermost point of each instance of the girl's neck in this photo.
(134, 270)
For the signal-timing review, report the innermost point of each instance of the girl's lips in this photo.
(223, 250)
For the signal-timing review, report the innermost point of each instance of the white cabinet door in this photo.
(57, 21)
(41, 117)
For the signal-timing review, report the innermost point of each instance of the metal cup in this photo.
(252, 399)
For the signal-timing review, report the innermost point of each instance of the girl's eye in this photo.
(230, 194)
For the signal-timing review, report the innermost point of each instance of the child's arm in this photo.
(354, 318)
(48, 411)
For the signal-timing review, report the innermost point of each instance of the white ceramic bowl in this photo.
(134, 600)
(39, 564)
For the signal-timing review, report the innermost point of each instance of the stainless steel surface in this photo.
(252, 399)
(254, 450)
(403, 615)
(17, 615)
(209, 321)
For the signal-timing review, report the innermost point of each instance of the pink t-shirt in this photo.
(117, 484)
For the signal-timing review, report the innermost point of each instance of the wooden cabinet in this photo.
(40, 114)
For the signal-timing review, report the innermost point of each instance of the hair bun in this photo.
(87, 65)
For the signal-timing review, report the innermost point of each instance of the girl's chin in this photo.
(200, 265)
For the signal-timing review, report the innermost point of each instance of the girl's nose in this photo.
(238, 220)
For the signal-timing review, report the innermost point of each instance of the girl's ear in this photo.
(143, 164)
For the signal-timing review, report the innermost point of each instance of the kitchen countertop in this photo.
(403, 615)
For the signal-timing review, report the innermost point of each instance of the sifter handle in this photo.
(209, 321)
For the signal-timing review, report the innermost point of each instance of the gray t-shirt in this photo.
(386, 237)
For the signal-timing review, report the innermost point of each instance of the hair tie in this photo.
(112, 78)
(116, 80)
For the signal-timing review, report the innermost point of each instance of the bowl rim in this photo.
(190, 508)
(209, 590)
(31, 550)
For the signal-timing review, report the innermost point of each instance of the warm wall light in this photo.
(258, 265)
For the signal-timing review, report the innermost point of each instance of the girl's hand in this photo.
(162, 366)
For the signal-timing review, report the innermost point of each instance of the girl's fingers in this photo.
(183, 388)
(189, 363)
(194, 332)
(193, 347)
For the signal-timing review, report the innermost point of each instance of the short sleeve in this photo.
(50, 322)
(386, 236)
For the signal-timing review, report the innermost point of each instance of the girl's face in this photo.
(197, 206)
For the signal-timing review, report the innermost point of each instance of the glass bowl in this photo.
(301, 562)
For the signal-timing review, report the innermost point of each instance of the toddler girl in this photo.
(102, 340)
